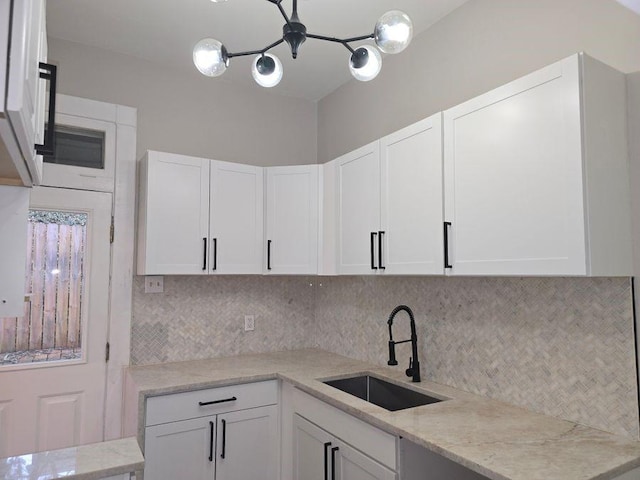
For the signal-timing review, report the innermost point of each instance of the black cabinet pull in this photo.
(211, 441)
(446, 245)
(326, 460)
(204, 258)
(373, 248)
(213, 402)
(333, 462)
(380, 241)
(224, 438)
(268, 254)
(49, 72)
(215, 253)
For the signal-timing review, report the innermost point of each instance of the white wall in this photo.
(481, 45)
(187, 113)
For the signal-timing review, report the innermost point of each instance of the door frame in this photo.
(122, 249)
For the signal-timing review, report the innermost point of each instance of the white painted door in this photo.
(248, 444)
(358, 181)
(311, 450)
(184, 449)
(236, 225)
(412, 199)
(350, 464)
(173, 237)
(60, 403)
(514, 178)
(292, 220)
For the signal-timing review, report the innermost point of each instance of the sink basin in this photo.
(384, 394)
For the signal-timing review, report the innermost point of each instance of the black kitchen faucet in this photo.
(414, 364)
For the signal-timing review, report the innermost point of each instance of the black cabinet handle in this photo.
(211, 441)
(215, 253)
(326, 460)
(213, 402)
(373, 248)
(380, 241)
(49, 72)
(268, 254)
(333, 462)
(446, 245)
(224, 438)
(204, 258)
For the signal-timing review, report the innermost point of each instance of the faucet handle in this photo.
(409, 371)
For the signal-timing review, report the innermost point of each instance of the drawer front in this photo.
(370, 440)
(200, 403)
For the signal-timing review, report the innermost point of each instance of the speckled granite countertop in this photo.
(87, 462)
(495, 439)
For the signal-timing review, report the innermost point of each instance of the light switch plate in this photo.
(249, 323)
(153, 284)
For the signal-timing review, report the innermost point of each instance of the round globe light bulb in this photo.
(267, 70)
(365, 67)
(210, 57)
(393, 32)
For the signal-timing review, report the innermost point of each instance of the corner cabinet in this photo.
(224, 433)
(199, 216)
(536, 175)
(389, 196)
(292, 220)
(23, 46)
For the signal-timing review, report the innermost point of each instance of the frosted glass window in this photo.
(78, 147)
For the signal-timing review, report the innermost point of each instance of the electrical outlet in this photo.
(153, 284)
(249, 323)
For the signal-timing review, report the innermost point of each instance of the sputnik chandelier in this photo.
(392, 34)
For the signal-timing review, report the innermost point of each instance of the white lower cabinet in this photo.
(235, 434)
(320, 455)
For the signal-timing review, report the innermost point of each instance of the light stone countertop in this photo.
(87, 462)
(495, 439)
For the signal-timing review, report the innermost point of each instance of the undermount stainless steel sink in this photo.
(379, 392)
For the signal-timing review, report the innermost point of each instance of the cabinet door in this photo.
(14, 210)
(311, 451)
(23, 90)
(236, 218)
(350, 464)
(514, 178)
(181, 450)
(292, 220)
(248, 443)
(412, 199)
(359, 210)
(174, 215)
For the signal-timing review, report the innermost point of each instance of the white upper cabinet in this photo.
(390, 204)
(236, 218)
(173, 234)
(199, 216)
(411, 195)
(536, 175)
(292, 220)
(358, 190)
(22, 110)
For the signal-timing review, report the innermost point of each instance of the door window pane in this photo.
(51, 328)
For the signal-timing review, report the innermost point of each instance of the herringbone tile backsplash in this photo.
(559, 346)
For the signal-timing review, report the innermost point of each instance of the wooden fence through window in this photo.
(53, 282)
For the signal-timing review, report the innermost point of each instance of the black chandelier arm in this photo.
(343, 41)
(277, 3)
(256, 52)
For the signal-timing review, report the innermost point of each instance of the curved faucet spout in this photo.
(414, 365)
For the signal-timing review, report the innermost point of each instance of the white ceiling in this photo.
(165, 31)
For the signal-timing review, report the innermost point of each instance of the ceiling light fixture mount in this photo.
(392, 34)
